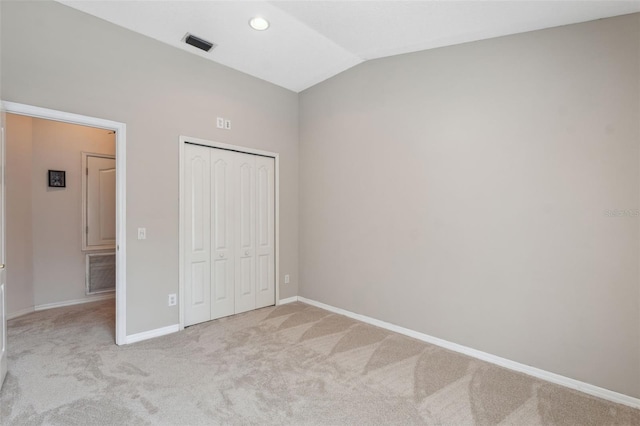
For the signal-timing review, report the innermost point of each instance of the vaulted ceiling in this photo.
(309, 41)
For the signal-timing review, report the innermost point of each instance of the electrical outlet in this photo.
(286, 279)
(227, 124)
(220, 123)
(172, 300)
(142, 233)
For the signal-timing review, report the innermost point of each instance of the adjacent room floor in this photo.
(293, 364)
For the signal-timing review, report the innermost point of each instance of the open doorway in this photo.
(68, 193)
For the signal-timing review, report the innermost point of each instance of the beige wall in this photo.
(462, 191)
(19, 237)
(58, 259)
(44, 240)
(56, 57)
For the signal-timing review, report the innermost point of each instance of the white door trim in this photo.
(220, 145)
(121, 196)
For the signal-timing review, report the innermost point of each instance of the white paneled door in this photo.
(222, 232)
(197, 255)
(246, 237)
(229, 233)
(265, 232)
(99, 201)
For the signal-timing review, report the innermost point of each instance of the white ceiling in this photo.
(310, 41)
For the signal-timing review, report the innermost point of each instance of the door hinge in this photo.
(87, 171)
(86, 229)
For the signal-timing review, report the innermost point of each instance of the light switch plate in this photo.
(142, 233)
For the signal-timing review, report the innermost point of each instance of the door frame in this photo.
(4, 354)
(121, 196)
(219, 145)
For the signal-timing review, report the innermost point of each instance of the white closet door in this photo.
(222, 232)
(265, 231)
(197, 247)
(229, 247)
(245, 283)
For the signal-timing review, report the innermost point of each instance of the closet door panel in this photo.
(265, 231)
(246, 233)
(197, 180)
(222, 233)
(229, 233)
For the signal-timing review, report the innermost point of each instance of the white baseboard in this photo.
(20, 313)
(502, 362)
(145, 335)
(176, 327)
(74, 302)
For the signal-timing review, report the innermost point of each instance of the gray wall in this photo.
(58, 259)
(462, 192)
(56, 57)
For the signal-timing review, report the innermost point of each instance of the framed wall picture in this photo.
(57, 179)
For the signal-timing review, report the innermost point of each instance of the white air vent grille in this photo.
(101, 273)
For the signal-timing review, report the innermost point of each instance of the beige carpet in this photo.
(293, 364)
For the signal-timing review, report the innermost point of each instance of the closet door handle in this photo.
(246, 253)
(221, 255)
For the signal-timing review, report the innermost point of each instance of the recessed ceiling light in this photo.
(258, 23)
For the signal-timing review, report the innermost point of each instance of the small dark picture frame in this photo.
(57, 179)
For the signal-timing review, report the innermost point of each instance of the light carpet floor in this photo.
(293, 364)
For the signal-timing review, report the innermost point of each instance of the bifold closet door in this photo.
(229, 233)
(265, 232)
(223, 222)
(209, 224)
(246, 233)
(197, 244)
(255, 233)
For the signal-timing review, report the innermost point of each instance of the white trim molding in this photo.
(121, 194)
(146, 335)
(587, 388)
(288, 300)
(73, 302)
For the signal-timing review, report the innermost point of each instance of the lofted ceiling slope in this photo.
(309, 41)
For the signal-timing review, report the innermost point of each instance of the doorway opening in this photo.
(108, 224)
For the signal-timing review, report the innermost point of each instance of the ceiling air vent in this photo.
(198, 42)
